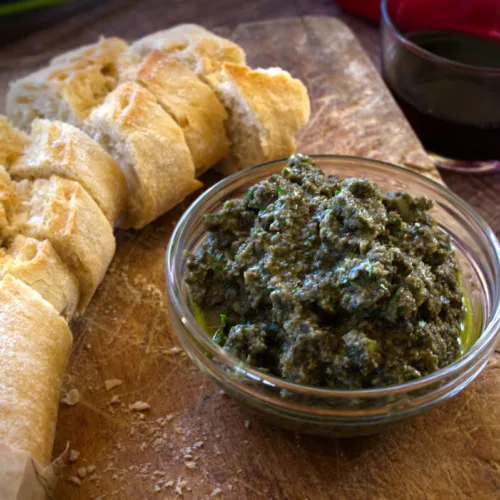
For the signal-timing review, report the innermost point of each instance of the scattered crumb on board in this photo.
(112, 383)
(71, 398)
(181, 444)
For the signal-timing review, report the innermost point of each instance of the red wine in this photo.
(454, 109)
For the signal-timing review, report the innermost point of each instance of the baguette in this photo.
(150, 149)
(266, 108)
(199, 49)
(62, 212)
(190, 102)
(37, 264)
(35, 343)
(60, 149)
(8, 201)
(105, 52)
(12, 142)
(67, 90)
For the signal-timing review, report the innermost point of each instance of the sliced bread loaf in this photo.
(12, 142)
(199, 49)
(266, 108)
(60, 149)
(37, 264)
(191, 103)
(61, 211)
(8, 202)
(35, 343)
(150, 149)
(68, 89)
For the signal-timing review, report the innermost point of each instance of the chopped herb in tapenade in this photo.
(330, 282)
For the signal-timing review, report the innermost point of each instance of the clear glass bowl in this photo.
(343, 412)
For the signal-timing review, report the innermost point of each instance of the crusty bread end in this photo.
(266, 108)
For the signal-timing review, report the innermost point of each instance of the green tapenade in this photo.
(330, 282)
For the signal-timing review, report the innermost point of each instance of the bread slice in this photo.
(266, 108)
(37, 264)
(190, 102)
(12, 142)
(62, 212)
(199, 49)
(67, 90)
(8, 201)
(60, 149)
(105, 52)
(150, 149)
(35, 344)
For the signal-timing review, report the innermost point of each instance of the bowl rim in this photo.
(485, 340)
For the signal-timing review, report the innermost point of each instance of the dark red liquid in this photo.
(454, 111)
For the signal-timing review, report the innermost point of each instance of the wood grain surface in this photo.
(194, 439)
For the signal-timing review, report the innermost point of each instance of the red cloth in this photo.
(369, 9)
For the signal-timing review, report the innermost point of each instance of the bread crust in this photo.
(149, 147)
(277, 104)
(104, 51)
(60, 149)
(61, 211)
(12, 142)
(190, 102)
(35, 343)
(8, 201)
(199, 49)
(69, 88)
(38, 265)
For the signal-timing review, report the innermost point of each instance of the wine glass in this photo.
(441, 60)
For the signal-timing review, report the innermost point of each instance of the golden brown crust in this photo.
(35, 343)
(150, 148)
(12, 142)
(60, 149)
(62, 212)
(191, 103)
(199, 49)
(8, 201)
(37, 264)
(104, 52)
(69, 88)
(268, 105)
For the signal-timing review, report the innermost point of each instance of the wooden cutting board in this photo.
(194, 440)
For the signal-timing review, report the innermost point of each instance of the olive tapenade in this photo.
(330, 282)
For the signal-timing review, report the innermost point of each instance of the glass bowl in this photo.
(342, 413)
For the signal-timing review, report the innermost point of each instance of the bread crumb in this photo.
(115, 400)
(174, 350)
(215, 492)
(74, 480)
(71, 398)
(93, 477)
(82, 472)
(139, 406)
(247, 424)
(112, 383)
(73, 455)
(91, 468)
(157, 488)
(190, 465)
(169, 483)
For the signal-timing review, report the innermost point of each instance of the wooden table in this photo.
(201, 440)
